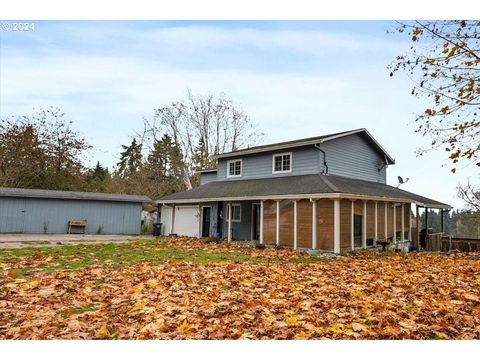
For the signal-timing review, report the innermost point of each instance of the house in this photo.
(49, 211)
(327, 192)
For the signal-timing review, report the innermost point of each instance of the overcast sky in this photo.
(295, 79)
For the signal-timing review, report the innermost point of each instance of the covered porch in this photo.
(320, 212)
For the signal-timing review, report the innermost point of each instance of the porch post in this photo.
(386, 220)
(173, 220)
(402, 235)
(352, 225)
(277, 233)
(295, 219)
(394, 223)
(314, 224)
(417, 232)
(410, 224)
(375, 230)
(200, 220)
(364, 225)
(336, 226)
(229, 236)
(261, 222)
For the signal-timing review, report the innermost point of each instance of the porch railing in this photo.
(441, 242)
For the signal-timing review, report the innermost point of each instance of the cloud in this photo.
(295, 83)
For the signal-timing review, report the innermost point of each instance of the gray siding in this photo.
(240, 230)
(304, 160)
(354, 157)
(32, 215)
(207, 177)
(350, 156)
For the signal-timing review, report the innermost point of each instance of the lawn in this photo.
(192, 289)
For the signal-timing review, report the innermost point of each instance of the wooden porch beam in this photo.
(277, 224)
(314, 224)
(352, 225)
(295, 225)
(364, 225)
(375, 227)
(261, 222)
(386, 220)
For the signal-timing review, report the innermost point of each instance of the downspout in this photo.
(317, 146)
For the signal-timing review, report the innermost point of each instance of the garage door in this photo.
(186, 220)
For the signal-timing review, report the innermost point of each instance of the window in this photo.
(282, 163)
(236, 212)
(234, 168)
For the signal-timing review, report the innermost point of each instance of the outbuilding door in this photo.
(12, 215)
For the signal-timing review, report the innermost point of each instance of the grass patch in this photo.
(76, 310)
(23, 261)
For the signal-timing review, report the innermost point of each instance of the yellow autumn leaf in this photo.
(302, 335)
(184, 327)
(336, 329)
(138, 306)
(292, 320)
(387, 277)
(104, 333)
(152, 283)
(357, 293)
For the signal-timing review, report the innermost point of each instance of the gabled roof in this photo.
(309, 141)
(71, 195)
(295, 187)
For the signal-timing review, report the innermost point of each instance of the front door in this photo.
(206, 218)
(255, 221)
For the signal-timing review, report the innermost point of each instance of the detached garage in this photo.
(50, 212)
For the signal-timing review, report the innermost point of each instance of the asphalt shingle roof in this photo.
(295, 185)
(71, 195)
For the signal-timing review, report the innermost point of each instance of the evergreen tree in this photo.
(130, 159)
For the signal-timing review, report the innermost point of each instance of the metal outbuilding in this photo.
(48, 211)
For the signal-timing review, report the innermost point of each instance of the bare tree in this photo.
(203, 126)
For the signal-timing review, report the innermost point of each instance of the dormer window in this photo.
(234, 168)
(282, 163)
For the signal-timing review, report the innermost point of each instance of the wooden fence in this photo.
(440, 242)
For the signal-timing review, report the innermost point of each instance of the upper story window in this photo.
(282, 163)
(234, 168)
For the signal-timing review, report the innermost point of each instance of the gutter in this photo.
(317, 146)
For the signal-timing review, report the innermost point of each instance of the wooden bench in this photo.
(77, 224)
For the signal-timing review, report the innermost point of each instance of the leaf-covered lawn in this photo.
(189, 289)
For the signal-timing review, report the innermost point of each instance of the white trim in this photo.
(295, 225)
(229, 219)
(240, 205)
(410, 224)
(172, 219)
(336, 226)
(282, 171)
(277, 224)
(261, 222)
(402, 235)
(352, 225)
(394, 223)
(375, 235)
(293, 196)
(364, 225)
(228, 168)
(386, 220)
(314, 224)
